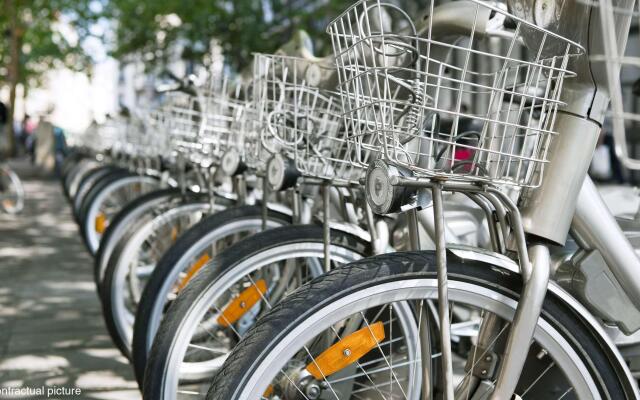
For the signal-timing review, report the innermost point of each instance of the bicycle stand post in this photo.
(326, 231)
(443, 295)
(265, 199)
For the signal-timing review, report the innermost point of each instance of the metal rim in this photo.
(414, 289)
(93, 238)
(197, 248)
(122, 317)
(189, 323)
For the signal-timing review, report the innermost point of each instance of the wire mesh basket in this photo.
(300, 121)
(110, 135)
(434, 97)
(183, 120)
(205, 125)
(151, 134)
(623, 76)
(254, 155)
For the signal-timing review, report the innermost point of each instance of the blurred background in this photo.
(72, 62)
(75, 61)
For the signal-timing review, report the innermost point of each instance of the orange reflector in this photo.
(7, 204)
(268, 392)
(200, 262)
(243, 303)
(346, 351)
(174, 234)
(101, 223)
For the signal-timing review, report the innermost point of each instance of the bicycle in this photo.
(343, 334)
(11, 191)
(180, 350)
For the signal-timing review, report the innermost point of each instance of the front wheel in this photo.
(304, 347)
(183, 260)
(222, 302)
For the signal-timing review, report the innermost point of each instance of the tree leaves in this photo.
(241, 26)
(44, 28)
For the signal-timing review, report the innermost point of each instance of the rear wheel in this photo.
(288, 353)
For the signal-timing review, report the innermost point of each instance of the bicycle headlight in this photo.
(231, 163)
(382, 196)
(281, 173)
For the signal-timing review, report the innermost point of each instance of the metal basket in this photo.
(442, 102)
(204, 126)
(298, 120)
(623, 77)
(254, 155)
(183, 120)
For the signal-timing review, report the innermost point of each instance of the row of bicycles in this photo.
(409, 218)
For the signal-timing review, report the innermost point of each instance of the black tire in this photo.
(68, 165)
(158, 357)
(166, 266)
(132, 207)
(90, 197)
(370, 272)
(87, 183)
(74, 176)
(107, 282)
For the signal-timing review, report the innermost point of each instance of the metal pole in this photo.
(425, 352)
(241, 189)
(265, 198)
(524, 324)
(413, 226)
(326, 232)
(443, 296)
(297, 211)
(425, 335)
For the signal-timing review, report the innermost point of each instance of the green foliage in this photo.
(42, 44)
(241, 26)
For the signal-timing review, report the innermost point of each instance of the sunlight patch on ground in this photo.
(111, 354)
(102, 380)
(27, 252)
(33, 363)
(86, 286)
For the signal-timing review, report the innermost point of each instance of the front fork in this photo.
(535, 268)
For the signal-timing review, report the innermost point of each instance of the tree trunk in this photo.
(14, 70)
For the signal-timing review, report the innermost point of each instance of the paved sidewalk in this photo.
(51, 327)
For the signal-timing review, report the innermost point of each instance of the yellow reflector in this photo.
(101, 223)
(200, 262)
(346, 351)
(243, 303)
